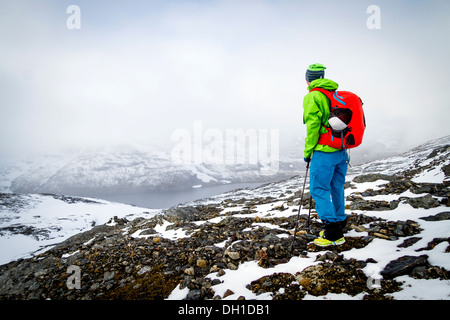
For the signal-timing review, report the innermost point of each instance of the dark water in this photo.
(167, 199)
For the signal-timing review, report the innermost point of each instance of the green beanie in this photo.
(315, 71)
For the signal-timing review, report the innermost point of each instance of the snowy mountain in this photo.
(130, 169)
(237, 245)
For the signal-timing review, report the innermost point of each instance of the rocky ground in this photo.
(241, 247)
(133, 260)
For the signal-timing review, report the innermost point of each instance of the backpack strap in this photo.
(331, 95)
(328, 93)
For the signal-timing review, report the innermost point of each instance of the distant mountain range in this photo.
(138, 169)
(127, 170)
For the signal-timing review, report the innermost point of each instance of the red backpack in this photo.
(347, 121)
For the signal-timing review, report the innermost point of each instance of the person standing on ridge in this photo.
(328, 166)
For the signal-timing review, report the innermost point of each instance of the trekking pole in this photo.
(291, 247)
(309, 211)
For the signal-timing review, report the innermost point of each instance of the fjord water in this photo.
(167, 199)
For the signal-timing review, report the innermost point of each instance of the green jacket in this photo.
(316, 112)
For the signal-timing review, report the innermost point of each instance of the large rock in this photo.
(372, 177)
(403, 266)
(425, 202)
(438, 217)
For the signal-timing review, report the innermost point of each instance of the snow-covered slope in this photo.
(429, 162)
(33, 223)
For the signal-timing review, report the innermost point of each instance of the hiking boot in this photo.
(322, 242)
(332, 231)
(342, 225)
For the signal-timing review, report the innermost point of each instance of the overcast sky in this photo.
(138, 70)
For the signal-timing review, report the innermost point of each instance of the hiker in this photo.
(328, 165)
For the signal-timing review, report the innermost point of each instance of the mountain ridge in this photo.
(128, 170)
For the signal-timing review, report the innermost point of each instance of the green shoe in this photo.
(322, 242)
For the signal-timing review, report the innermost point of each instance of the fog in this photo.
(136, 71)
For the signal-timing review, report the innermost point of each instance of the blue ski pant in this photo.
(327, 178)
